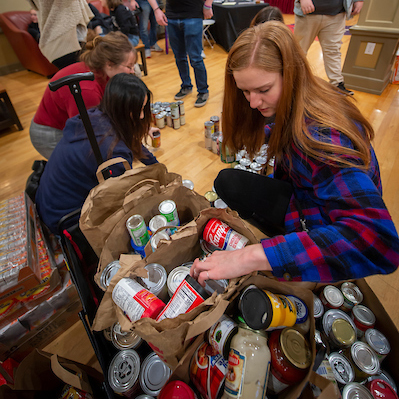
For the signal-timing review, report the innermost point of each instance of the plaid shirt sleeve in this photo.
(351, 234)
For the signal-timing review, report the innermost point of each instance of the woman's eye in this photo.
(264, 91)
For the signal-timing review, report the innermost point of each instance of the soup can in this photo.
(364, 360)
(154, 374)
(156, 281)
(123, 373)
(160, 122)
(157, 237)
(342, 368)
(124, 339)
(175, 277)
(381, 389)
(176, 122)
(352, 296)
(157, 222)
(169, 121)
(208, 370)
(364, 319)
(377, 341)
(156, 139)
(182, 120)
(216, 123)
(221, 333)
(138, 230)
(109, 271)
(332, 297)
(356, 391)
(180, 103)
(168, 209)
(174, 109)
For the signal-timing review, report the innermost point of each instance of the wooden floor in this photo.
(183, 150)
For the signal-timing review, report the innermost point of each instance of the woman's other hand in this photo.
(152, 130)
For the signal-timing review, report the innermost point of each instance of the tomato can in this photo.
(352, 296)
(157, 237)
(342, 368)
(380, 389)
(364, 360)
(124, 339)
(188, 295)
(154, 374)
(177, 390)
(364, 319)
(332, 297)
(378, 342)
(123, 373)
(175, 277)
(109, 271)
(221, 334)
(208, 370)
(156, 281)
(355, 390)
(135, 301)
(156, 138)
(168, 209)
(138, 230)
(222, 236)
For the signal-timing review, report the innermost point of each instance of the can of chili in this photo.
(364, 319)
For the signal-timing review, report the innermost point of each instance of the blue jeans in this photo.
(146, 15)
(134, 39)
(185, 36)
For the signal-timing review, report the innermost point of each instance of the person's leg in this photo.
(134, 39)
(306, 29)
(44, 138)
(330, 37)
(153, 29)
(143, 23)
(66, 60)
(176, 39)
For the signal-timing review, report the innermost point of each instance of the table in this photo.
(231, 20)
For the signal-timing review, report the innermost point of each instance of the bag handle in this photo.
(78, 380)
(143, 189)
(108, 163)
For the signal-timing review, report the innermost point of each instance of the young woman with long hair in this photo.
(322, 148)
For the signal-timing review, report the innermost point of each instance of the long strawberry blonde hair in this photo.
(305, 100)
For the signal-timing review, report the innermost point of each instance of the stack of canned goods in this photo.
(212, 134)
(255, 164)
(354, 348)
(168, 114)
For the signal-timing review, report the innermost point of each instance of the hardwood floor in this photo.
(183, 152)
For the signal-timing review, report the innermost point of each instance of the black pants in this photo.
(261, 200)
(66, 60)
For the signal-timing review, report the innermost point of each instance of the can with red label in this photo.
(364, 319)
(208, 371)
(381, 390)
(222, 236)
(136, 301)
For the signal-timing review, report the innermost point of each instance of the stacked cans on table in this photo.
(168, 114)
(255, 164)
(355, 350)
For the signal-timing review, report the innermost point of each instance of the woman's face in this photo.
(262, 89)
(127, 66)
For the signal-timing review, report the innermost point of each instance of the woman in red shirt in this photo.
(105, 56)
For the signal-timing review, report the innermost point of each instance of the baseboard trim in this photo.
(7, 69)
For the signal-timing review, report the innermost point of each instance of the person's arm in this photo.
(134, 4)
(307, 6)
(357, 7)
(207, 8)
(159, 14)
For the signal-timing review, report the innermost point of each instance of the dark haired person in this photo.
(120, 122)
(322, 147)
(33, 27)
(268, 13)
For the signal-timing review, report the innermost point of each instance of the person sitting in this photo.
(268, 13)
(337, 226)
(101, 23)
(121, 122)
(105, 56)
(33, 27)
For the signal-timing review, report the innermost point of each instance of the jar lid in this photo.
(377, 341)
(356, 391)
(380, 389)
(352, 292)
(211, 196)
(176, 390)
(124, 370)
(341, 367)
(295, 348)
(343, 332)
(365, 358)
(364, 315)
(333, 314)
(154, 374)
(333, 296)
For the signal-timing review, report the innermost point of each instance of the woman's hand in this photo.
(230, 264)
(152, 130)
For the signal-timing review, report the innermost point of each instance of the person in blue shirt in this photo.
(120, 123)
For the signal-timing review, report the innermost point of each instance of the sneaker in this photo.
(156, 48)
(182, 93)
(147, 53)
(202, 99)
(203, 54)
(342, 87)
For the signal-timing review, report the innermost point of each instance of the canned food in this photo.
(227, 156)
(215, 147)
(124, 339)
(211, 196)
(169, 210)
(220, 204)
(335, 314)
(182, 120)
(216, 123)
(356, 391)
(157, 237)
(263, 310)
(154, 374)
(318, 308)
(169, 121)
(364, 359)
(177, 390)
(175, 277)
(302, 323)
(383, 375)
(160, 121)
(109, 271)
(208, 248)
(260, 159)
(156, 281)
(123, 373)
(377, 341)
(342, 334)
(352, 296)
(321, 340)
(221, 334)
(188, 183)
(174, 109)
(222, 236)
(380, 389)
(188, 295)
(364, 319)
(209, 129)
(135, 301)
(208, 371)
(157, 222)
(107, 334)
(138, 230)
(342, 368)
(176, 122)
(216, 285)
(144, 397)
(332, 297)
(156, 138)
(180, 103)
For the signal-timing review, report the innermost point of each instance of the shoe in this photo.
(203, 54)
(182, 93)
(202, 99)
(147, 53)
(342, 87)
(156, 48)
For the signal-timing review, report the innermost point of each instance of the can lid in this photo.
(124, 370)
(219, 203)
(364, 315)
(296, 348)
(124, 339)
(156, 278)
(318, 308)
(188, 183)
(333, 314)
(365, 358)
(377, 341)
(383, 375)
(380, 389)
(333, 295)
(167, 206)
(343, 332)
(352, 292)
(176, 276)
(109, 272)
(197, 286)
(154, 374)
(301, 309)
(157, 237)
(211, 196)
(355, 390)
(157, 222)
(176, 390)
(341, 367)
(256, 308)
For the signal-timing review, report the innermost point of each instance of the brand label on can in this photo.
(222, 236)
(138, 230)
(220, 332)
(235, 373)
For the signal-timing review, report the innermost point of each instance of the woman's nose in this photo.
(254, 100)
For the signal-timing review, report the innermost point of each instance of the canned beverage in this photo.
(208, 371)
(381, 389)
(174, 109)
(157, 222)
(377, 341)
(342, 368)
(157, 237)
(138, 230)
(168, 209)
(221, 334)
(342, 334)
(215, 147)
(332, 297)
(318, 308)
(177, 390)
(154, 374)
(135, 301)
(302, 323)
(263, 310)
(176, 122)
(109, 271)
(335, 314)
(364, 360)
(211, 196)
(188, 183)
(209, 129)
(160, 120)
(352, 296)
(156, 281)
(123, 373)
(188, 295)
(364, 319)
(216, 123)
(222, 236)
(124, 339)
(175, 277)
(169, 121)
(156, 139)
(180, 103)
(356, 391)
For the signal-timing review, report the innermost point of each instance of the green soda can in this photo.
(169, 210)
(138, 230)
